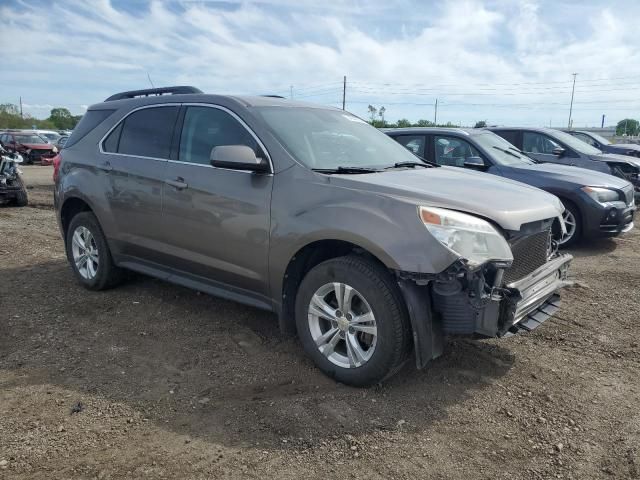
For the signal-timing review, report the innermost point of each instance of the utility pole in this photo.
(291, 92)
(572, 92)
(344, 90)
(21, 116)
(602, 124)
(435, 114)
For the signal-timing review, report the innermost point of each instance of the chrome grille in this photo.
(529, 253)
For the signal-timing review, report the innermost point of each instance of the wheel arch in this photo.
(305, 258)
(69, 209)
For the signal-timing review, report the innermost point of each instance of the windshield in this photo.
(50, 136)
(328, 139)
(501, 151)
(30, 139)
(572, 142)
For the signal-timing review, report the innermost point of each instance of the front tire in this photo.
(89, 254)
(352, 321)
(573, 223)
(21, 199)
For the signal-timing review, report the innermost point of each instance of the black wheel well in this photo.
(304, 260)
(70, 209)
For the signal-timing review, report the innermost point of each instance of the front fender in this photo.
(304, 211)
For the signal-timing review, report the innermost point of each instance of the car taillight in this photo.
(56, 168)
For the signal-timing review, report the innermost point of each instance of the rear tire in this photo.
(22, 198)
(344, 344)
(89, 254)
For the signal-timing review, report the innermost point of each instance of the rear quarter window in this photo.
(90, 120)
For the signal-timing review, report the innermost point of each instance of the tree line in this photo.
(59, 119)
(376, 118)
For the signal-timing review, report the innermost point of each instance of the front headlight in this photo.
(469, 237)
(55, 149)
(602, 195)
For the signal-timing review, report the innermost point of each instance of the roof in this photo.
(436, 130)
(183, 94)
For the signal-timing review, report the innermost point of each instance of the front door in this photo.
(217, 220)
(540, 147)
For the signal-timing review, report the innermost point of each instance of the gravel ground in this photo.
(151, 380)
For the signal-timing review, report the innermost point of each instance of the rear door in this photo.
(132, 165)
(217, 220)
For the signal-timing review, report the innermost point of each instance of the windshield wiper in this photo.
(411, 164)
(346, 170)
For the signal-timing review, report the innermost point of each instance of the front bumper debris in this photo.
(533, 299)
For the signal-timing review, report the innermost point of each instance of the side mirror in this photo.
(558, 151)
(237, 157)
(474, 162)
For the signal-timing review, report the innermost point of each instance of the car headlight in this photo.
(602, 195)
(469, 237)
(54, 149)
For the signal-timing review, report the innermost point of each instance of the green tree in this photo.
(62, 118)
(403, 123)
(628, 126)
(480, 124)
(372, 113)
(425, 123)
(381, 113)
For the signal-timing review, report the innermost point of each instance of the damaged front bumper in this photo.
(463, 302)
(533, 299)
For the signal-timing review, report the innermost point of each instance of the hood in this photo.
(37, 146)
(625, 146)
(508, 203)
(542, 174)
(614, 157)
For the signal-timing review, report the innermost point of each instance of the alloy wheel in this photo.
(342, 325)
(85, 252)
(570, 224)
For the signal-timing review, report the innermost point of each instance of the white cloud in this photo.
(492, 52)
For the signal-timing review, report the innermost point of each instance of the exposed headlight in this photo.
(602, 195)
(469, 237)
(54, 149)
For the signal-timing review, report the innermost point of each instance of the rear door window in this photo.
(148, 132)
(510, 136)
(413, 143)
(207, 127)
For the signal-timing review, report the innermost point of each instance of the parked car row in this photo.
(36, 146)
(596, 204)
(32, 147)
(365, 250)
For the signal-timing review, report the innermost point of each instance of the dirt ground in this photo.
(175, 384)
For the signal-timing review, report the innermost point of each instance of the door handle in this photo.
(178, 183)
(105, 166)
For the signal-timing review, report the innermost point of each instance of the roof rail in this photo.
(273, 96)
(153, 92)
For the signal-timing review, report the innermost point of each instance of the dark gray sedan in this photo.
(604, 145)
(597, 204)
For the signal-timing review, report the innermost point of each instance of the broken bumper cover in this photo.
(534, 298)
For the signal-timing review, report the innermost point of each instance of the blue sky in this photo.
(507, 62)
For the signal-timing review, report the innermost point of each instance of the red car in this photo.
(31, 146)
